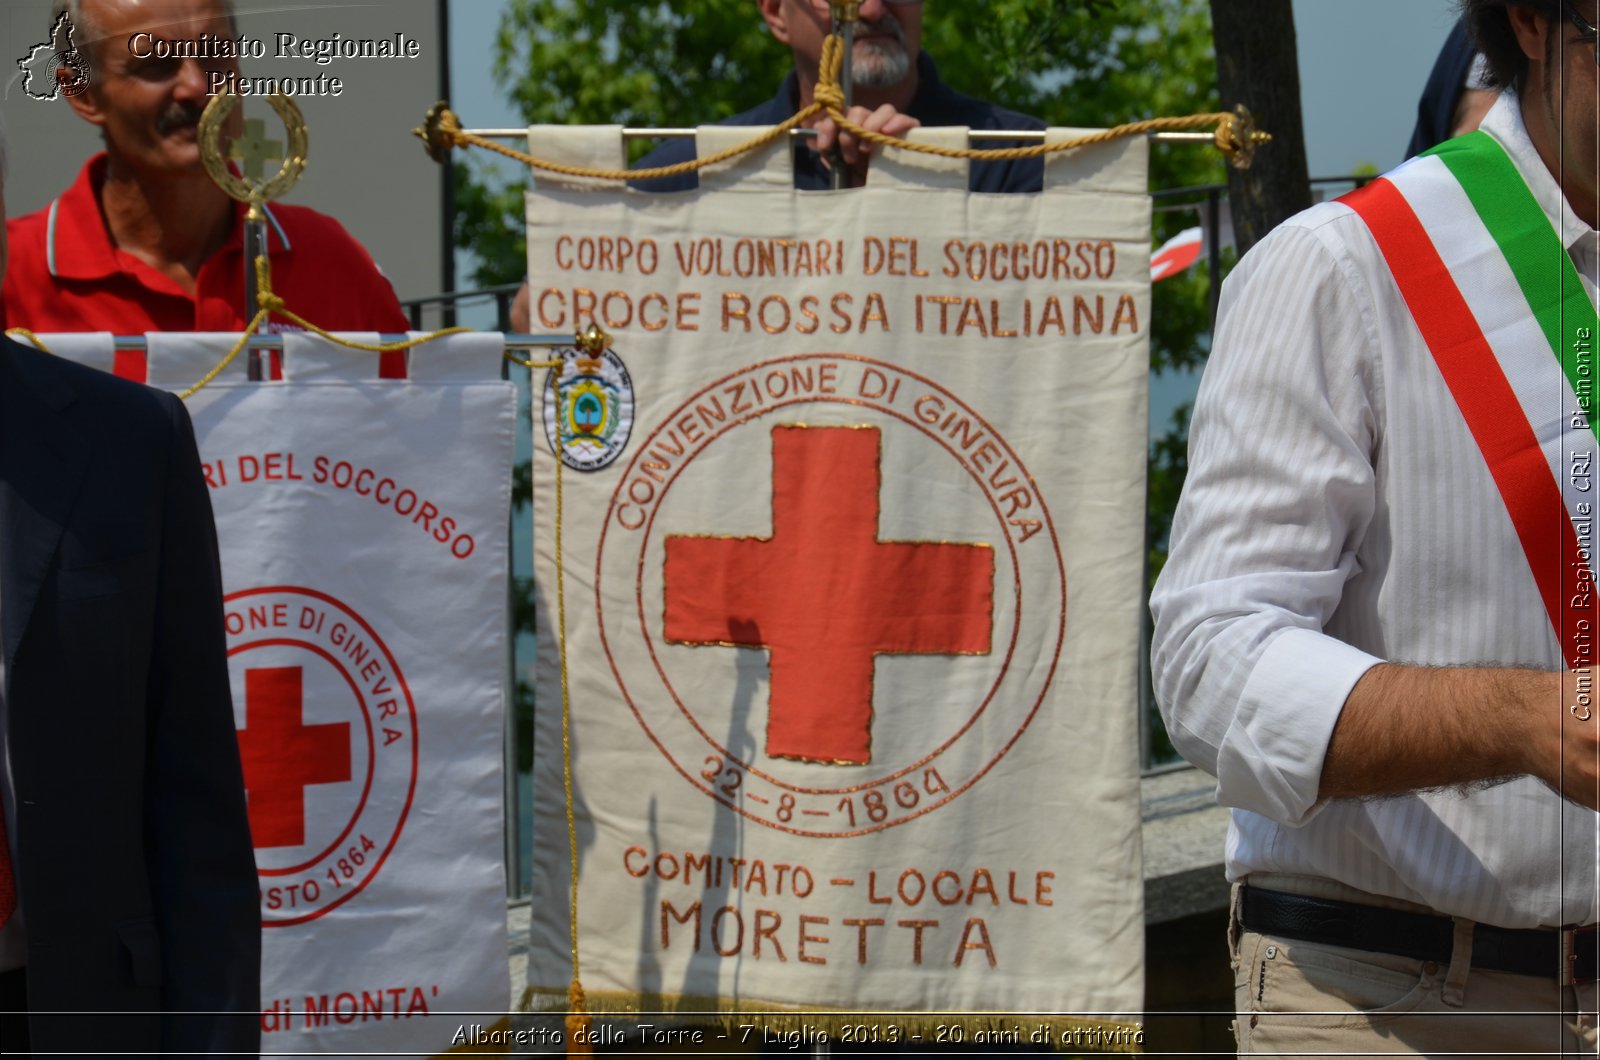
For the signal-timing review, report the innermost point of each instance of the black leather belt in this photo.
(1572, 955)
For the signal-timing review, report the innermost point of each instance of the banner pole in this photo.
(976, 136)
(250, 185)
(846, 13)
(255, 246)
(514, 341)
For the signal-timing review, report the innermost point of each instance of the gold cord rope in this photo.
(577, 1007)
(24, 333)
(270, 303)
(578, 1018)
(238, 348)
(1235, 136)
(450, 128)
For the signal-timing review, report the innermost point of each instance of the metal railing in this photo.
(449, 305)
(1206, 201)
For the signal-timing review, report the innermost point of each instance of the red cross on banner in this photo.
(825, 596)
(282, 756)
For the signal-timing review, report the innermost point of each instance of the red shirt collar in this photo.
(78, 243)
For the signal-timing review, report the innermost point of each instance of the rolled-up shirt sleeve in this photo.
(1280, 492)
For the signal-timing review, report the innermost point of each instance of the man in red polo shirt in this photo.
(144, 240)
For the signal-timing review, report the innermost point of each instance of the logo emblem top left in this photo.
(56, 67)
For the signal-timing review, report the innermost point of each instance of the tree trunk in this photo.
(1257, 66)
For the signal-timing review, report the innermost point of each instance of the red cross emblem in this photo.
(825, 596)
(282, 756)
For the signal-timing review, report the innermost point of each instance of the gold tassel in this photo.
(578, 1021)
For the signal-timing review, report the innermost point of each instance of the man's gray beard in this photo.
(881, 63)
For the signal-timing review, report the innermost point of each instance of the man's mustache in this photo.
(178, 116)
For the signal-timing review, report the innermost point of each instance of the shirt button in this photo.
(1430, 967)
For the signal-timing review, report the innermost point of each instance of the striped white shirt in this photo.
(1338, 514)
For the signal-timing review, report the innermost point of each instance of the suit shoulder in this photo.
(673, 150)
(667, 153)
(949, 106)
(118, 403)
(1006, 118)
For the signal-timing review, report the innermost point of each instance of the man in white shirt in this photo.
(1377, 620)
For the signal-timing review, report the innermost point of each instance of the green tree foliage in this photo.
(637, 62)
(648, 63)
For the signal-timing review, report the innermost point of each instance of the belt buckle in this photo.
(1580, 964)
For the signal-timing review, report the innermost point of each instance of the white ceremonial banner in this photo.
(852, 603)
(364, 534)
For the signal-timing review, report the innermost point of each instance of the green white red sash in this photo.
(1499, 324)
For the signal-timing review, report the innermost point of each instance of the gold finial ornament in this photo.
(253, 149)
(439, 131)
(1238, 137)
(593, 340)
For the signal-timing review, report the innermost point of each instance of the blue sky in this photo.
(1362, 66)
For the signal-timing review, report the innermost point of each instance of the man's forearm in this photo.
(1406, 728)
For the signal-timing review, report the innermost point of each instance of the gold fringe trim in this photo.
(795, 1026)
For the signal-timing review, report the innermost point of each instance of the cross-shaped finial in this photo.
(253, 149)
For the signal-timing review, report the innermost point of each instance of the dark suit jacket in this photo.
(134, 862)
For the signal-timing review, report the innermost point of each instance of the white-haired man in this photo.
(144, 240)
(128, 895)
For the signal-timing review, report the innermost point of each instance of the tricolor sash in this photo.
(1500, 305)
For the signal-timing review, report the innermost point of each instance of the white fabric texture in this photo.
(1012, 763)
(178, 360)
(1337, 514)
(363, 529)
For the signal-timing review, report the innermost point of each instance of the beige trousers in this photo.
(1302, 999)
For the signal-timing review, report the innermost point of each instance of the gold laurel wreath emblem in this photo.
(216, 162)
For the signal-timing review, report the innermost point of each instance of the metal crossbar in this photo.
(1035, 136)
